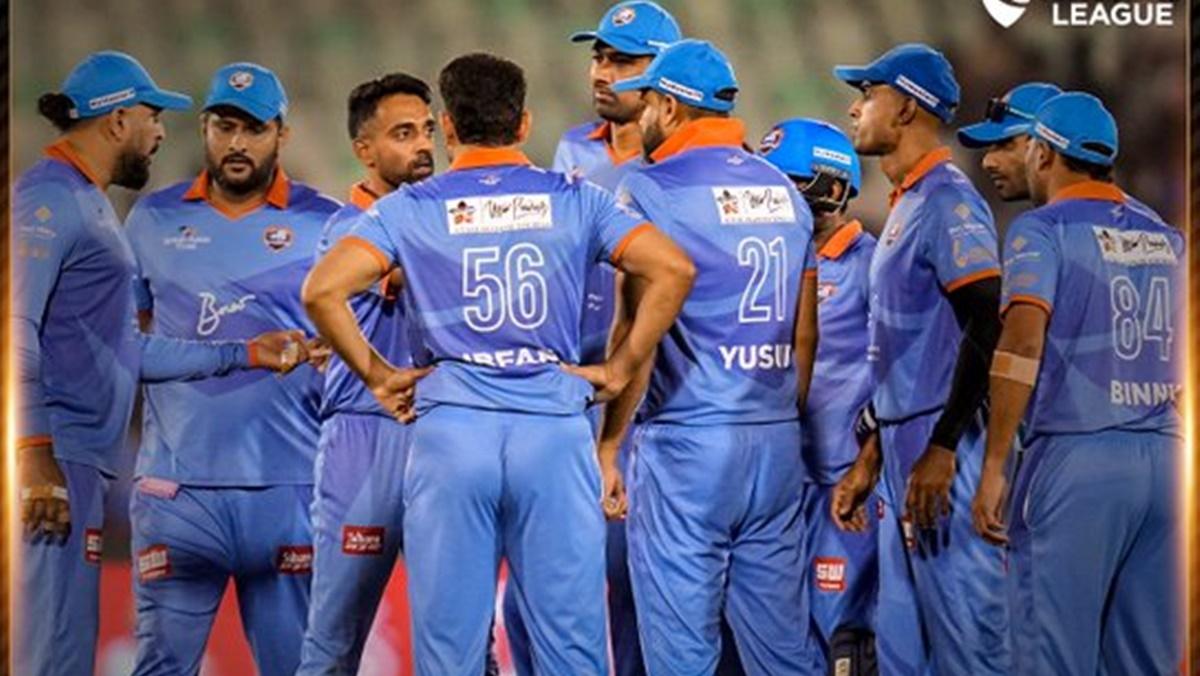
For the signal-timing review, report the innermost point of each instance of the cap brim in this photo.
(630, 85)
(261, 113)
(856, 76)
(989, 133)
(167, 100)
(618, 42)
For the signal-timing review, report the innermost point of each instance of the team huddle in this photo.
(707, 420)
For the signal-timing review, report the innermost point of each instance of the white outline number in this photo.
(520, 296)
(768, 261)
(1132, 327)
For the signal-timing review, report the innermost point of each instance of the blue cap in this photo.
(1008, 117)
(108, 80)
(638, 28)
(1077, 124)
(248, 87)
(915, 70)
(692, 71)
(802, 147)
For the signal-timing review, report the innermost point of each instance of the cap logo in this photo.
(112, 99)
(241, 80)
(681, 90)
(623, 17)
(917, 91)
(770, 141)
(832, 155)
(1052, 136)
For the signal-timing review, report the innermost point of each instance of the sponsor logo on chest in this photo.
(188, 238)
(1134, 247)
(748, 205)
(278, 237)
(212, 312)
(500, 213)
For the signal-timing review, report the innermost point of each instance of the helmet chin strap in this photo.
(818, 189)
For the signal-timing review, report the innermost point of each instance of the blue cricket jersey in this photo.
(939, 236)
(728, 358)
(207, 274)
(80, 355)
(495, 253)
(1112, 276)
(381, 318)
(842, 381)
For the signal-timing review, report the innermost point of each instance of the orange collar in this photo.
(841, 240)
(64, 152)
(706, 131)
(277, 194)
(603, 133)
(923, 166)
(1090, 190)
(361, 196)
(488, 157)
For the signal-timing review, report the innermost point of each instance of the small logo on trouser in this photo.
(362, 540)
(153, 563)
(295, 560)
(93, 545)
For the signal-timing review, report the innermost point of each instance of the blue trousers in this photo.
(844, 568)
(58, 591)
(716, 526)
(942, 603)
(1096, 539)
(485, 485)
(358, 518)
(186, 548)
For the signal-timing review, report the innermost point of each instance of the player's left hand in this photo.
(929, 487)
(987, 509)
(613, 500)
(395, 389)
(279, 351)
(319, 352)
(607, 380)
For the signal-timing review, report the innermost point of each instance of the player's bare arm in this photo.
(667, 274)
(345, 271)
(805, 339)
(976, 306)
(1013, 373)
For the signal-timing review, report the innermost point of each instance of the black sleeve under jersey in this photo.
(977, 309)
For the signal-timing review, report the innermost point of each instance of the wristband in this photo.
(43, 492)
(865, 424)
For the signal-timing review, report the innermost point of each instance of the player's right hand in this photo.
(42, 488)
(395, 389)
(987, 509)
(604, 378)
(279, 351)
(848, 505)
(614, 501)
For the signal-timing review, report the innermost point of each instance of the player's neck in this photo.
(1061, 179)
(98, 156)
(914, 145)
(826, 224)
(236, 204)
(625, 139)
(375, 185)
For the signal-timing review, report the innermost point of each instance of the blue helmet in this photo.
(804, 147)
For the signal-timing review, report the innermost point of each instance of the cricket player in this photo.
(502, 463)
(715, 522)
(1004, 134)
(225, 470)
(358, 506)
(627, 38)
(821, 161)
(1091, 358)
(79, 354)
(934, 299)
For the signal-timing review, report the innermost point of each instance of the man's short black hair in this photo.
(485, 98)
(1094, 171)
(366, 97)
(57, 108)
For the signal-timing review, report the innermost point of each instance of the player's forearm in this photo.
(172, 359)
(33, 422)
(331, 314)
(618, 413)
(806, 338)
(665, 291)
(1013, 376)
(1008, 402)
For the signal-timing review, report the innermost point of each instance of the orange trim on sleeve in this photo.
(488, 157)
(1090, 190)
(384, 262)
(38, 440)
(628, 239)
(841, 240)
(252, 357)
(973, 277)
(64, 152)
(1028, 300)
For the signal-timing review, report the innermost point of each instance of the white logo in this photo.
(832, 155)
(502, 213)
(112, 99)
(188, 239)
(1006, 12)
(739, 205)
(211, 313)
(624, 17)
(1134, 247)
(682, 90)
(241, 80)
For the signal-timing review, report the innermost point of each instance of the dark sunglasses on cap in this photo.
(999, 109)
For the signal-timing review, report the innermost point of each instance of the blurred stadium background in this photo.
(783, 51)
